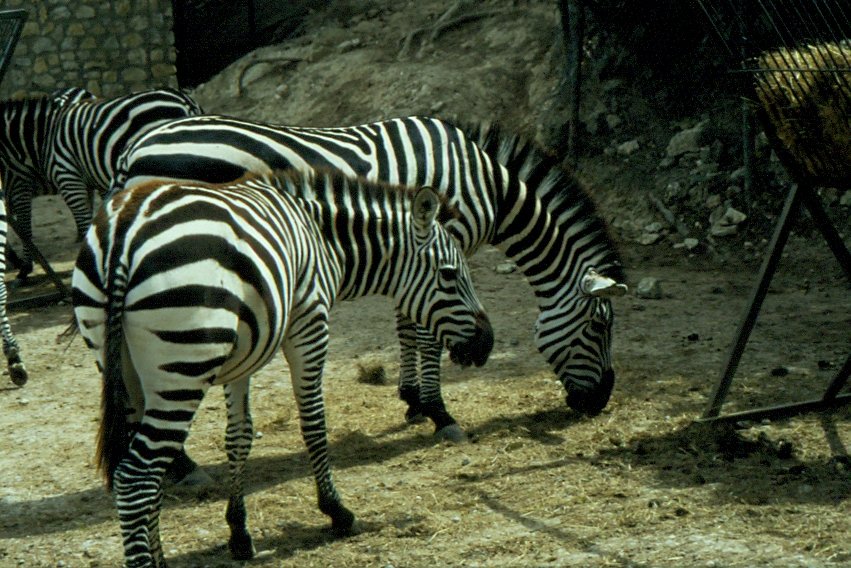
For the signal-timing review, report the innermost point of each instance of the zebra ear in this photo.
(425, 209)
(595, 284)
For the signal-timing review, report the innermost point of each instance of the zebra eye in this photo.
(447, 275)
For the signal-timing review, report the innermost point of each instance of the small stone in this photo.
(737, 175)
(688, 244)
(688, 140)
(505, 268)
(666, 162)
(628, 148)
(649, 288)
(713, 201)
(725, 221)
(649, 238)
(613, 121)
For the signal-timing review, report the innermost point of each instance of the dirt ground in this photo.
(639, 485)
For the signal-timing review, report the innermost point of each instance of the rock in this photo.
(737, 175)
(627, 148)
(613, 121)
(845, 200)
(724, 222)
(505, 268)
(688, 244)
(685, 141)
(649, 238)
(649, 288)
(713, 201)
(666, 163)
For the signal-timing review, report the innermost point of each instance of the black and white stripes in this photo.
(506, 192)
(69, 142)
(181, 287)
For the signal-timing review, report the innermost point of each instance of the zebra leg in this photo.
(238, 438)
(20, 206)
(78, 198)
(137, 489)
(305, 351)
(17, 371)
(161, 412)
(445, 426)
(409, 387)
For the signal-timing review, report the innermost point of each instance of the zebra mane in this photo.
(378, 190)
(535, 165)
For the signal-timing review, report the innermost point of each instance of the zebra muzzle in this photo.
(477, 349)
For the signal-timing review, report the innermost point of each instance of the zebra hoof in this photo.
(451, 433)
(18, 374)
(342, 522)
(242, 548)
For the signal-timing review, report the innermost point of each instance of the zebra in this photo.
(11, 350)
(178, 287)
(507, 191)
(69, 142)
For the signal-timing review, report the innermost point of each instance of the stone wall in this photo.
(110, 47)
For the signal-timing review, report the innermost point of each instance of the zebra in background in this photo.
(507, 193)
(17, 370)
(180, 287)
(69, 142)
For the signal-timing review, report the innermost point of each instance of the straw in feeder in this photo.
(806, 93)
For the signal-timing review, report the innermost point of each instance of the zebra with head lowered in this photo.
(507, 193)
(181, 287)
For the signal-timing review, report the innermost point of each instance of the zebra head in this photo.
(438, 293)
(576, 339)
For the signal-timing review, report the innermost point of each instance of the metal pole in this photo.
(769, 267)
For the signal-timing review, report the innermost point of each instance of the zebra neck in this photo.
(363, 250)
(549, 226)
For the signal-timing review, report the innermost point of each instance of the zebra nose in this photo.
(477, 349)
(592, 400)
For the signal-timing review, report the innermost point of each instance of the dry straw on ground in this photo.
(806, 93)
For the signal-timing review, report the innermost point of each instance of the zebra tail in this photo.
(114, 432)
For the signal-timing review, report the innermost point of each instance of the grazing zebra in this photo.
(17, 370)
(506, 192)
(69, 142)
(181, 287)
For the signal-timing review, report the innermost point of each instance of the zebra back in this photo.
(90, 134)
(508, 193)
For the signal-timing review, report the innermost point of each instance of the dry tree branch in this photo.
(282, 61)
(445, 23)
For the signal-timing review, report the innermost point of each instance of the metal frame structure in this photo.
(802, 195)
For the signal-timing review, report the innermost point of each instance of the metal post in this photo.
(769, 267)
